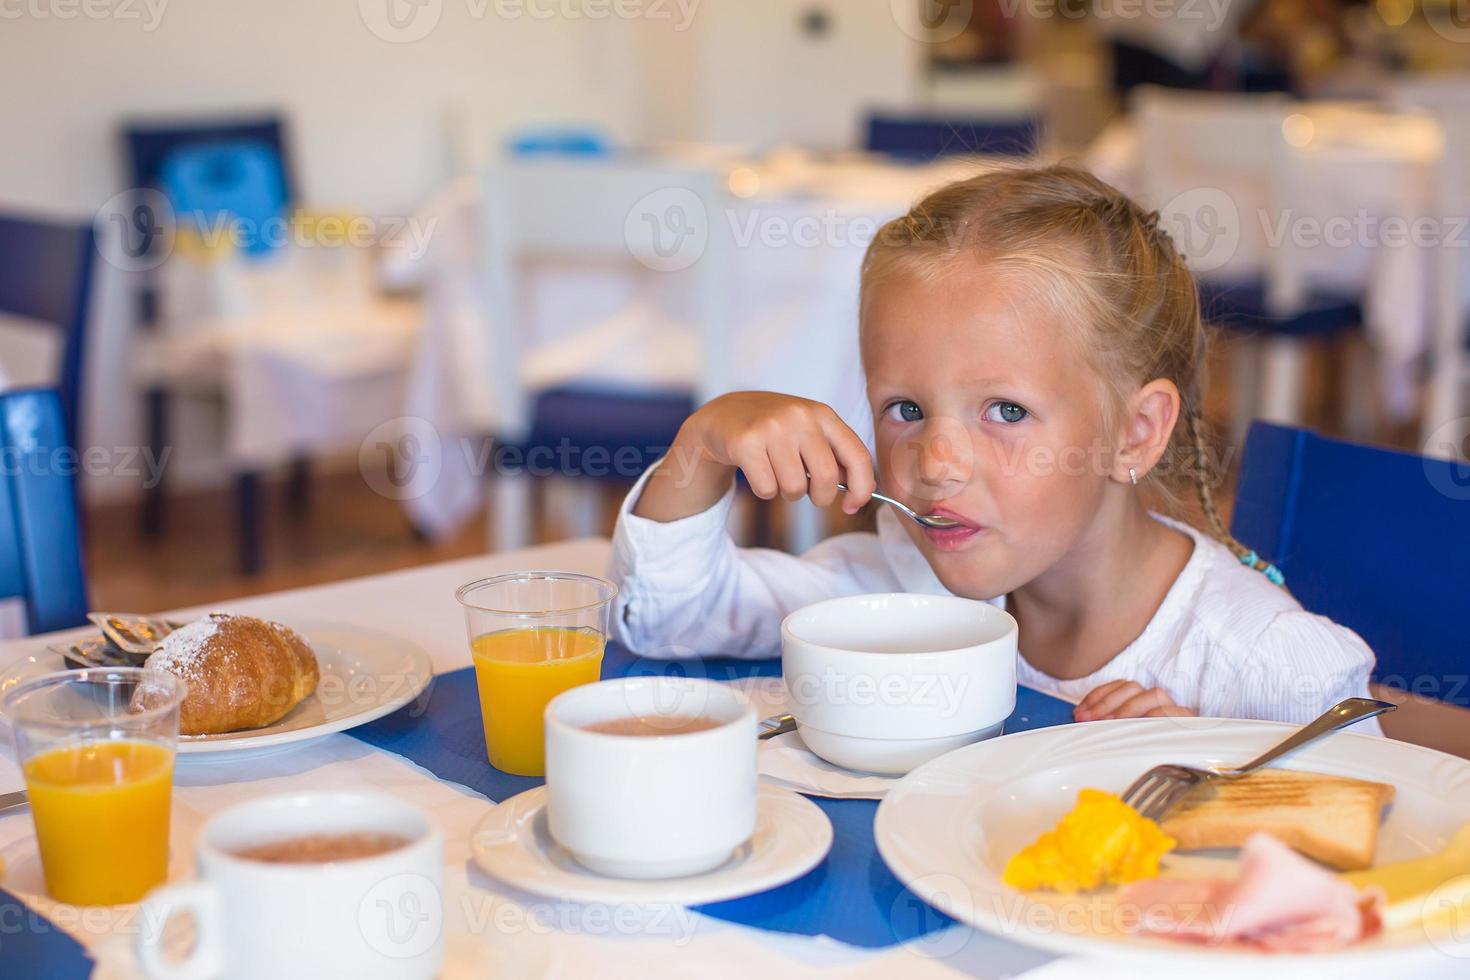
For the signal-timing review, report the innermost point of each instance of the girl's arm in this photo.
(686, 589)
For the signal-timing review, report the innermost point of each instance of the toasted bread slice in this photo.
(1331, 818)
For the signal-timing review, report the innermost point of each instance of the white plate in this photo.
(512, 843)
(364, 676)
(948, 828)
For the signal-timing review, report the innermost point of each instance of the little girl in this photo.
(1033, 350)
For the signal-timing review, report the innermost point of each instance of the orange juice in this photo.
(101, 812)
(518, 671)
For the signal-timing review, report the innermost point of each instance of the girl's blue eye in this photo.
(906, 411)
(1005, 412)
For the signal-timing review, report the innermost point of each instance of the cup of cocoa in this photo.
(651, 776)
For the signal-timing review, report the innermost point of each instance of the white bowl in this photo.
(882, 683)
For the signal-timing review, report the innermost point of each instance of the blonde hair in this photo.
(1083, 247)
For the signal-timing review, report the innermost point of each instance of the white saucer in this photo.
(791, 837)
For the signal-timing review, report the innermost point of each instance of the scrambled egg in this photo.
(1103, 841)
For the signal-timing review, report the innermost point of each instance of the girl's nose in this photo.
(943, 459)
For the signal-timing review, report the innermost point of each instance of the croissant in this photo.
(241, 672)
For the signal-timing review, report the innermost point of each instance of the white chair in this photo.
(663, 221)
(1216, 165)
(1447, 97)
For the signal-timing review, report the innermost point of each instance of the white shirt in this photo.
(1225, 641)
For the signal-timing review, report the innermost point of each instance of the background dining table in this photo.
(490, 928)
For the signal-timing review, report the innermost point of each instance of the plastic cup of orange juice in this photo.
(96, 748)
(532, 636)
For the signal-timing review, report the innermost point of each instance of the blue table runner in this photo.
(851, 896)
(33, 946)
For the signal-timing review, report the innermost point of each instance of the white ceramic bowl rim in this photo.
(991, 623)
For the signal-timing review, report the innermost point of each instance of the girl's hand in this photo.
(775, 440)
(1127, 699)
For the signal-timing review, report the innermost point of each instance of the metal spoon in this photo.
(923, 520)
(776, 725)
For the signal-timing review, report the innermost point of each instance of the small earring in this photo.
(1133, 476)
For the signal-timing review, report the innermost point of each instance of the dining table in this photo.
(848, 917)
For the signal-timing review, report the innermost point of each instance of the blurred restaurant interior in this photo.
(300, 343)
(298, 295)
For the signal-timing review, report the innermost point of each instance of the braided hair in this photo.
(1097, 252)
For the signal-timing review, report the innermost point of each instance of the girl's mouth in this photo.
(951, 538)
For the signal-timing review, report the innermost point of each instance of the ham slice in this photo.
(1281, 902)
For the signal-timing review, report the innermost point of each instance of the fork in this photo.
(1164, 787)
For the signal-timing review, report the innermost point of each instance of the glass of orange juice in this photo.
(532, 636)
(97, 750)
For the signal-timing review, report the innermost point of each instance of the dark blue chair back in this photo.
(1377, 540)
(924, 138)
(40, 545)
(150, 147)
(46, 274)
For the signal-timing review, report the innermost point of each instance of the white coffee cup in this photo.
(379, 916)
(651, 806)
(883, 683)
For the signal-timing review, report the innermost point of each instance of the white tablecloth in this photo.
(491, 930)
(1356, 169)
(799, 238)
(308, 358)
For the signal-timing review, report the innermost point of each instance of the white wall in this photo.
(368, 115)
(751, 74)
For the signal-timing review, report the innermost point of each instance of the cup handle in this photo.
(204, 960)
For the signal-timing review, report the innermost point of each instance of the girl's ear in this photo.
(1152, 412)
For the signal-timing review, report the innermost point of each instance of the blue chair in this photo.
(922, 138)
(1242, 307)
(149, 147)
(238, 180)
(211, 162)
(1375, 539)
(560, 141)
(40, 544)
(46, 275)
(604, 434)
